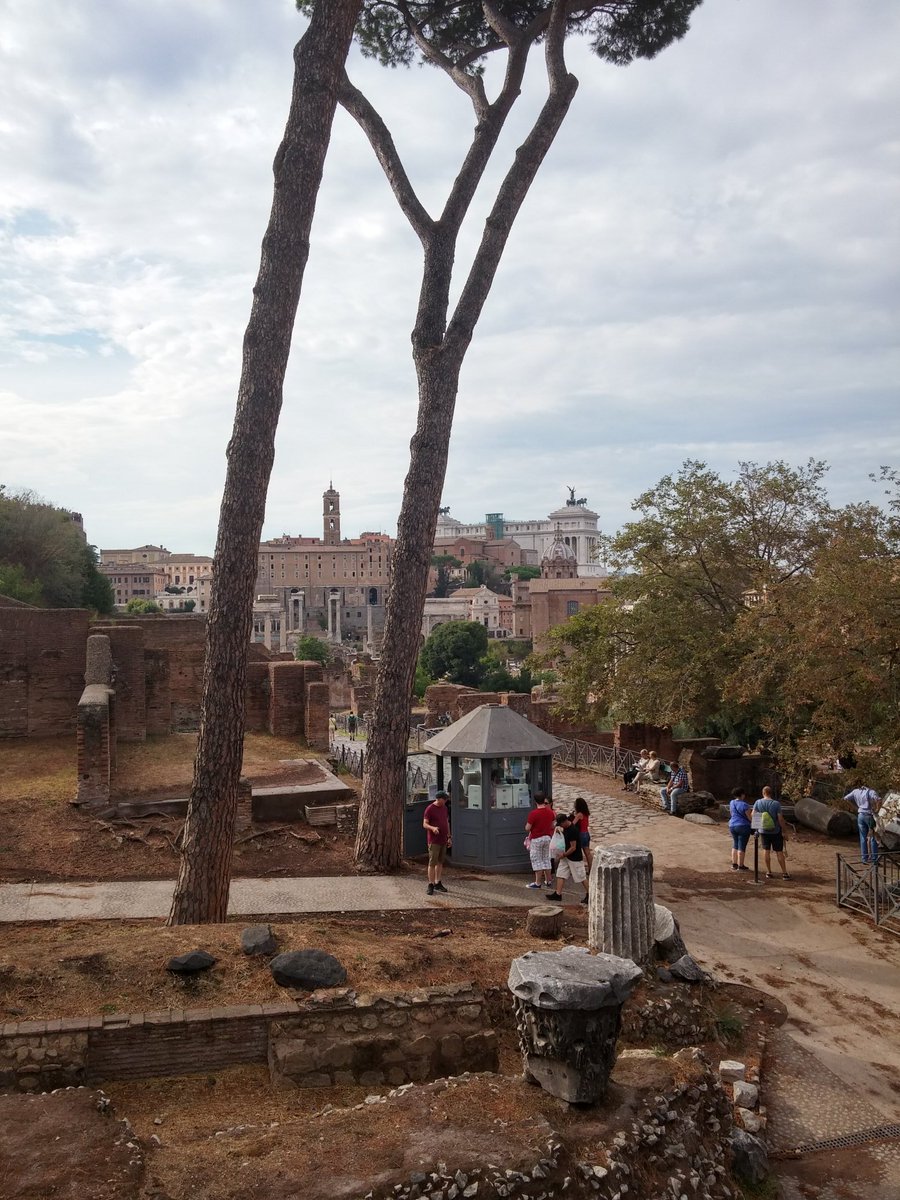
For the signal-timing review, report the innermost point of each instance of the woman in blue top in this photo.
(739, 824)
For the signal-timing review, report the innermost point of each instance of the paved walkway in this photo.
(52, 901)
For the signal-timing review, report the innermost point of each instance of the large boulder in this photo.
(694, 802)
(307, 969)
(751, 1162)
(190, 963)
(667, 937)
(258, 939)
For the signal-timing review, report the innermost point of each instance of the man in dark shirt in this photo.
(571, 864)
(436, 823)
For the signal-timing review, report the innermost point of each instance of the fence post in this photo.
(574, 754)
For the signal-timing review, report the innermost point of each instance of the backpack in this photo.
(767, 822)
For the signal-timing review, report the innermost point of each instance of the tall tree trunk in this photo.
(439, 348)
(379, 844)
(201, 893)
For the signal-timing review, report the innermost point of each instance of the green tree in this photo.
(140, 607)
(188, 605)
(49, 550)
(665, 649)
(523, 572)
(444, 563)
(312, 649)
(457, 39)
(454, 651)
(15, 584)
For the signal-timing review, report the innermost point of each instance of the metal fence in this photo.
(348, 758)
(588, 756)
(353, 760)
(871, 888)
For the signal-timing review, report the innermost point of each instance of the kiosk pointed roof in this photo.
(492, 731)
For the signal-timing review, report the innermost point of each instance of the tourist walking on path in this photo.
(773, 831)
(539, 827)
(571, 863)
(436, 823)
(867, 805)
(581, 818)
(676, 786)
(739, 810)
(351, 727)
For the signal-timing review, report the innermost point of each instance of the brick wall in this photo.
(92, 746)
(287, 696)
(42, 658)
(318, 709)
(40, 1055)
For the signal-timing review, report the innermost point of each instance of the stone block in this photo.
(451, 1048)
(746, 1095)
(730, 1070)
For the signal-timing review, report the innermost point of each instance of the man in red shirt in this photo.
(436, 823)
(539, 827)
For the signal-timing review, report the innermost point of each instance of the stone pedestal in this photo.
(568, 1006)
(620, 914)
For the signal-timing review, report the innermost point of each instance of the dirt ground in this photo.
(44, 837)
(74, 969)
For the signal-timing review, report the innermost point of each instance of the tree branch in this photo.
(515, 186)
(382, 143)
(472, 85)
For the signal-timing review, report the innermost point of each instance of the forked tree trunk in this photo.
(201, 893)
(439, 348)
(379, 844)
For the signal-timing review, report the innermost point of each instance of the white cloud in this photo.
(705, 266)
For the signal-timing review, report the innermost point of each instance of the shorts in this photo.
(539, 853)
(585, 837)
(773, 841)
(567, 869)
(437, 852)
(740, 836)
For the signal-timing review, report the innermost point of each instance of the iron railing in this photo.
(871, 888)
(348, 758)
(588, 756)
(353, 760)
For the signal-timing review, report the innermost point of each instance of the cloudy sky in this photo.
(706, 267)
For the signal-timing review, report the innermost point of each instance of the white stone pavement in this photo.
(58, 901)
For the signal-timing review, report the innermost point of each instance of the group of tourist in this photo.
(559, 844)
(671, 778)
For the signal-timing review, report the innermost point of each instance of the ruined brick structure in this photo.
(122, 680)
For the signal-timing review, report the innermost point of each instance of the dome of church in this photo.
(560, 552)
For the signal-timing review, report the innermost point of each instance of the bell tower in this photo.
(331, 516)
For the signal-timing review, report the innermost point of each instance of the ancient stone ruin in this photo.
(568, 1006)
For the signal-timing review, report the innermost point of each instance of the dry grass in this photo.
(74, 969)
(43, 837)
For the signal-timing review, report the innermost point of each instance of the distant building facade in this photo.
(575, 522)
(487, 608)
(335, 585)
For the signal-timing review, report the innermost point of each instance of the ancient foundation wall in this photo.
(375, 1040)
(41, 1055)
(42, 658)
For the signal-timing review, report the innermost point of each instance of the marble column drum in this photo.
(568, 1006)
(621, 914)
